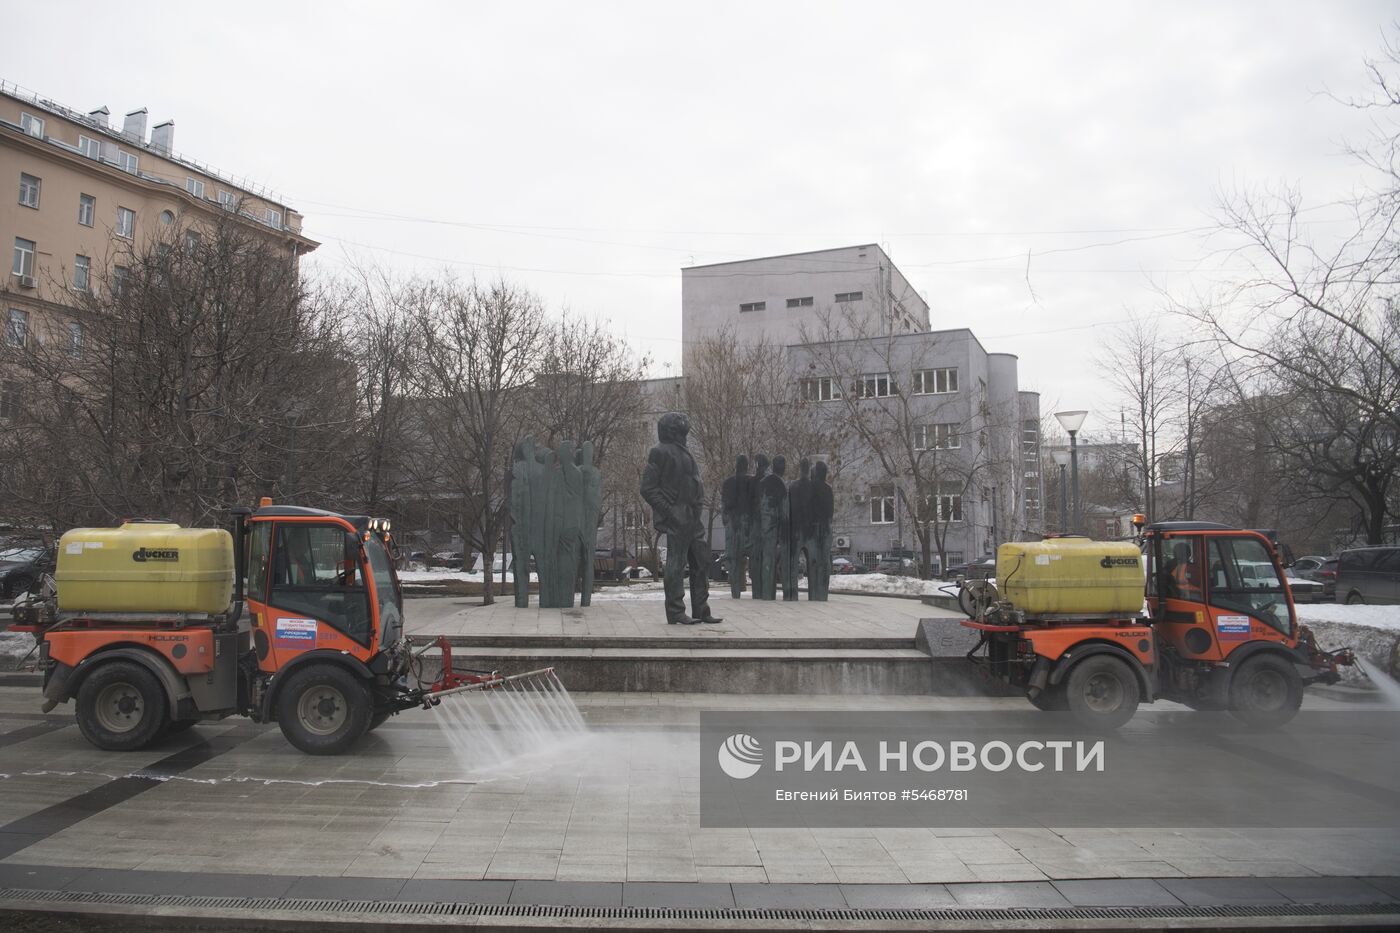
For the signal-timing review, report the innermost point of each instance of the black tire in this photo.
(1102, 692)
(1052, 699)
(122, 707)
(323, 709)
(1265, 691)
(177, 726)
(1355, 599)
(377, 720)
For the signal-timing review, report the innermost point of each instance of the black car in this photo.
(21, 566)
(979, 569)
(1369, 575)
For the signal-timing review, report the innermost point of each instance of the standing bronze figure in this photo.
(734, 499)
(671, 488)
(773, 529)
(799, 518)
(592, 505)
(818, 546)
(755, 519)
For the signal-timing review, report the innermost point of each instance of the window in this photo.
(937, 437)
(226, 200)
(120, 276)
(935, 381)
(1030, 441)
(874, 385)
(87, 209)
(316, 572)
(949, 503)
(1242, 577)
(633, 519)
(89, 147)
(191, 242)
(10, 398)
(386, 591)
(32, 125)
(126, 222)
(843, 297)
(127, 162)
(75, 339)
(800, 302)
(82, 270)
(166, 218)
(820, 389)
(882, 505)
(753, 306)
(17, 328)
(24, 257)
(29, 191)
(195, 187)
(258, 538)
(955, 558)
(274, 218)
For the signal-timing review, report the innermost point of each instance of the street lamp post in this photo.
(1072, 421)
(1062, 459)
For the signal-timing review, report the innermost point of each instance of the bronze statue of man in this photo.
(773, 529)
(817, 540)
(755, 520)
(799, 516)
(671, 488)
(734, 496)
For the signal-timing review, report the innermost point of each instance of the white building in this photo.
(962, 403)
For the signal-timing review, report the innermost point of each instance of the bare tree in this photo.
(198, 372)
(478, 352)
(928, 448)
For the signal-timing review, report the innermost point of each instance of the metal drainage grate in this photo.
(844, 914)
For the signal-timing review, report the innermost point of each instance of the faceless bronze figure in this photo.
(671, 488)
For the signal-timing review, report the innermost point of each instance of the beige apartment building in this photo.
(78, 191)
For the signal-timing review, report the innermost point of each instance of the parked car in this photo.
(1327, 576)
(980, 569)
(613, 563)
(845, 565)
(1368, 575)
(21, 566)
(450, 560)
(897, 567)
(1304, 567)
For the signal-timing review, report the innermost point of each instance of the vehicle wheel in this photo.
(1102, 692)
(122, 707)
(377, 720)
(1355, 599)
(323, 709)
(176, 726)
(1052, 699)
(1266, 691)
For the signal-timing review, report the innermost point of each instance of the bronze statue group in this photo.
(554, 501)
(769, 524)
(773, 526)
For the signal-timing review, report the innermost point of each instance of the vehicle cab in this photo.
(1212, 588)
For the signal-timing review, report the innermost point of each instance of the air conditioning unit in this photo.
(841, 542)
(26, 281)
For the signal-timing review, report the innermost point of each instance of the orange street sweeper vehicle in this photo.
(150, 630)
(1066, 621)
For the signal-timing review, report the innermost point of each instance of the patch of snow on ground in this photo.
(1385, 618)
(14, 646)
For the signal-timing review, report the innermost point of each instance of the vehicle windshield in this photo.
(386, 588)
(20, 553)
(1242, 577)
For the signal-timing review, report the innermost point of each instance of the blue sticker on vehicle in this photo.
(1232, 628)
(295, 633)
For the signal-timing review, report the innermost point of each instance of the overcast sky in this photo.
(590, 151)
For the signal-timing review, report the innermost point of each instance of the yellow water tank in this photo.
(1071, 575)
(145, 567)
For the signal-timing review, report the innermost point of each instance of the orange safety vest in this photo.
(1186, 586)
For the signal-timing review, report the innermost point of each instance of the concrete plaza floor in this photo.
(618, 805)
